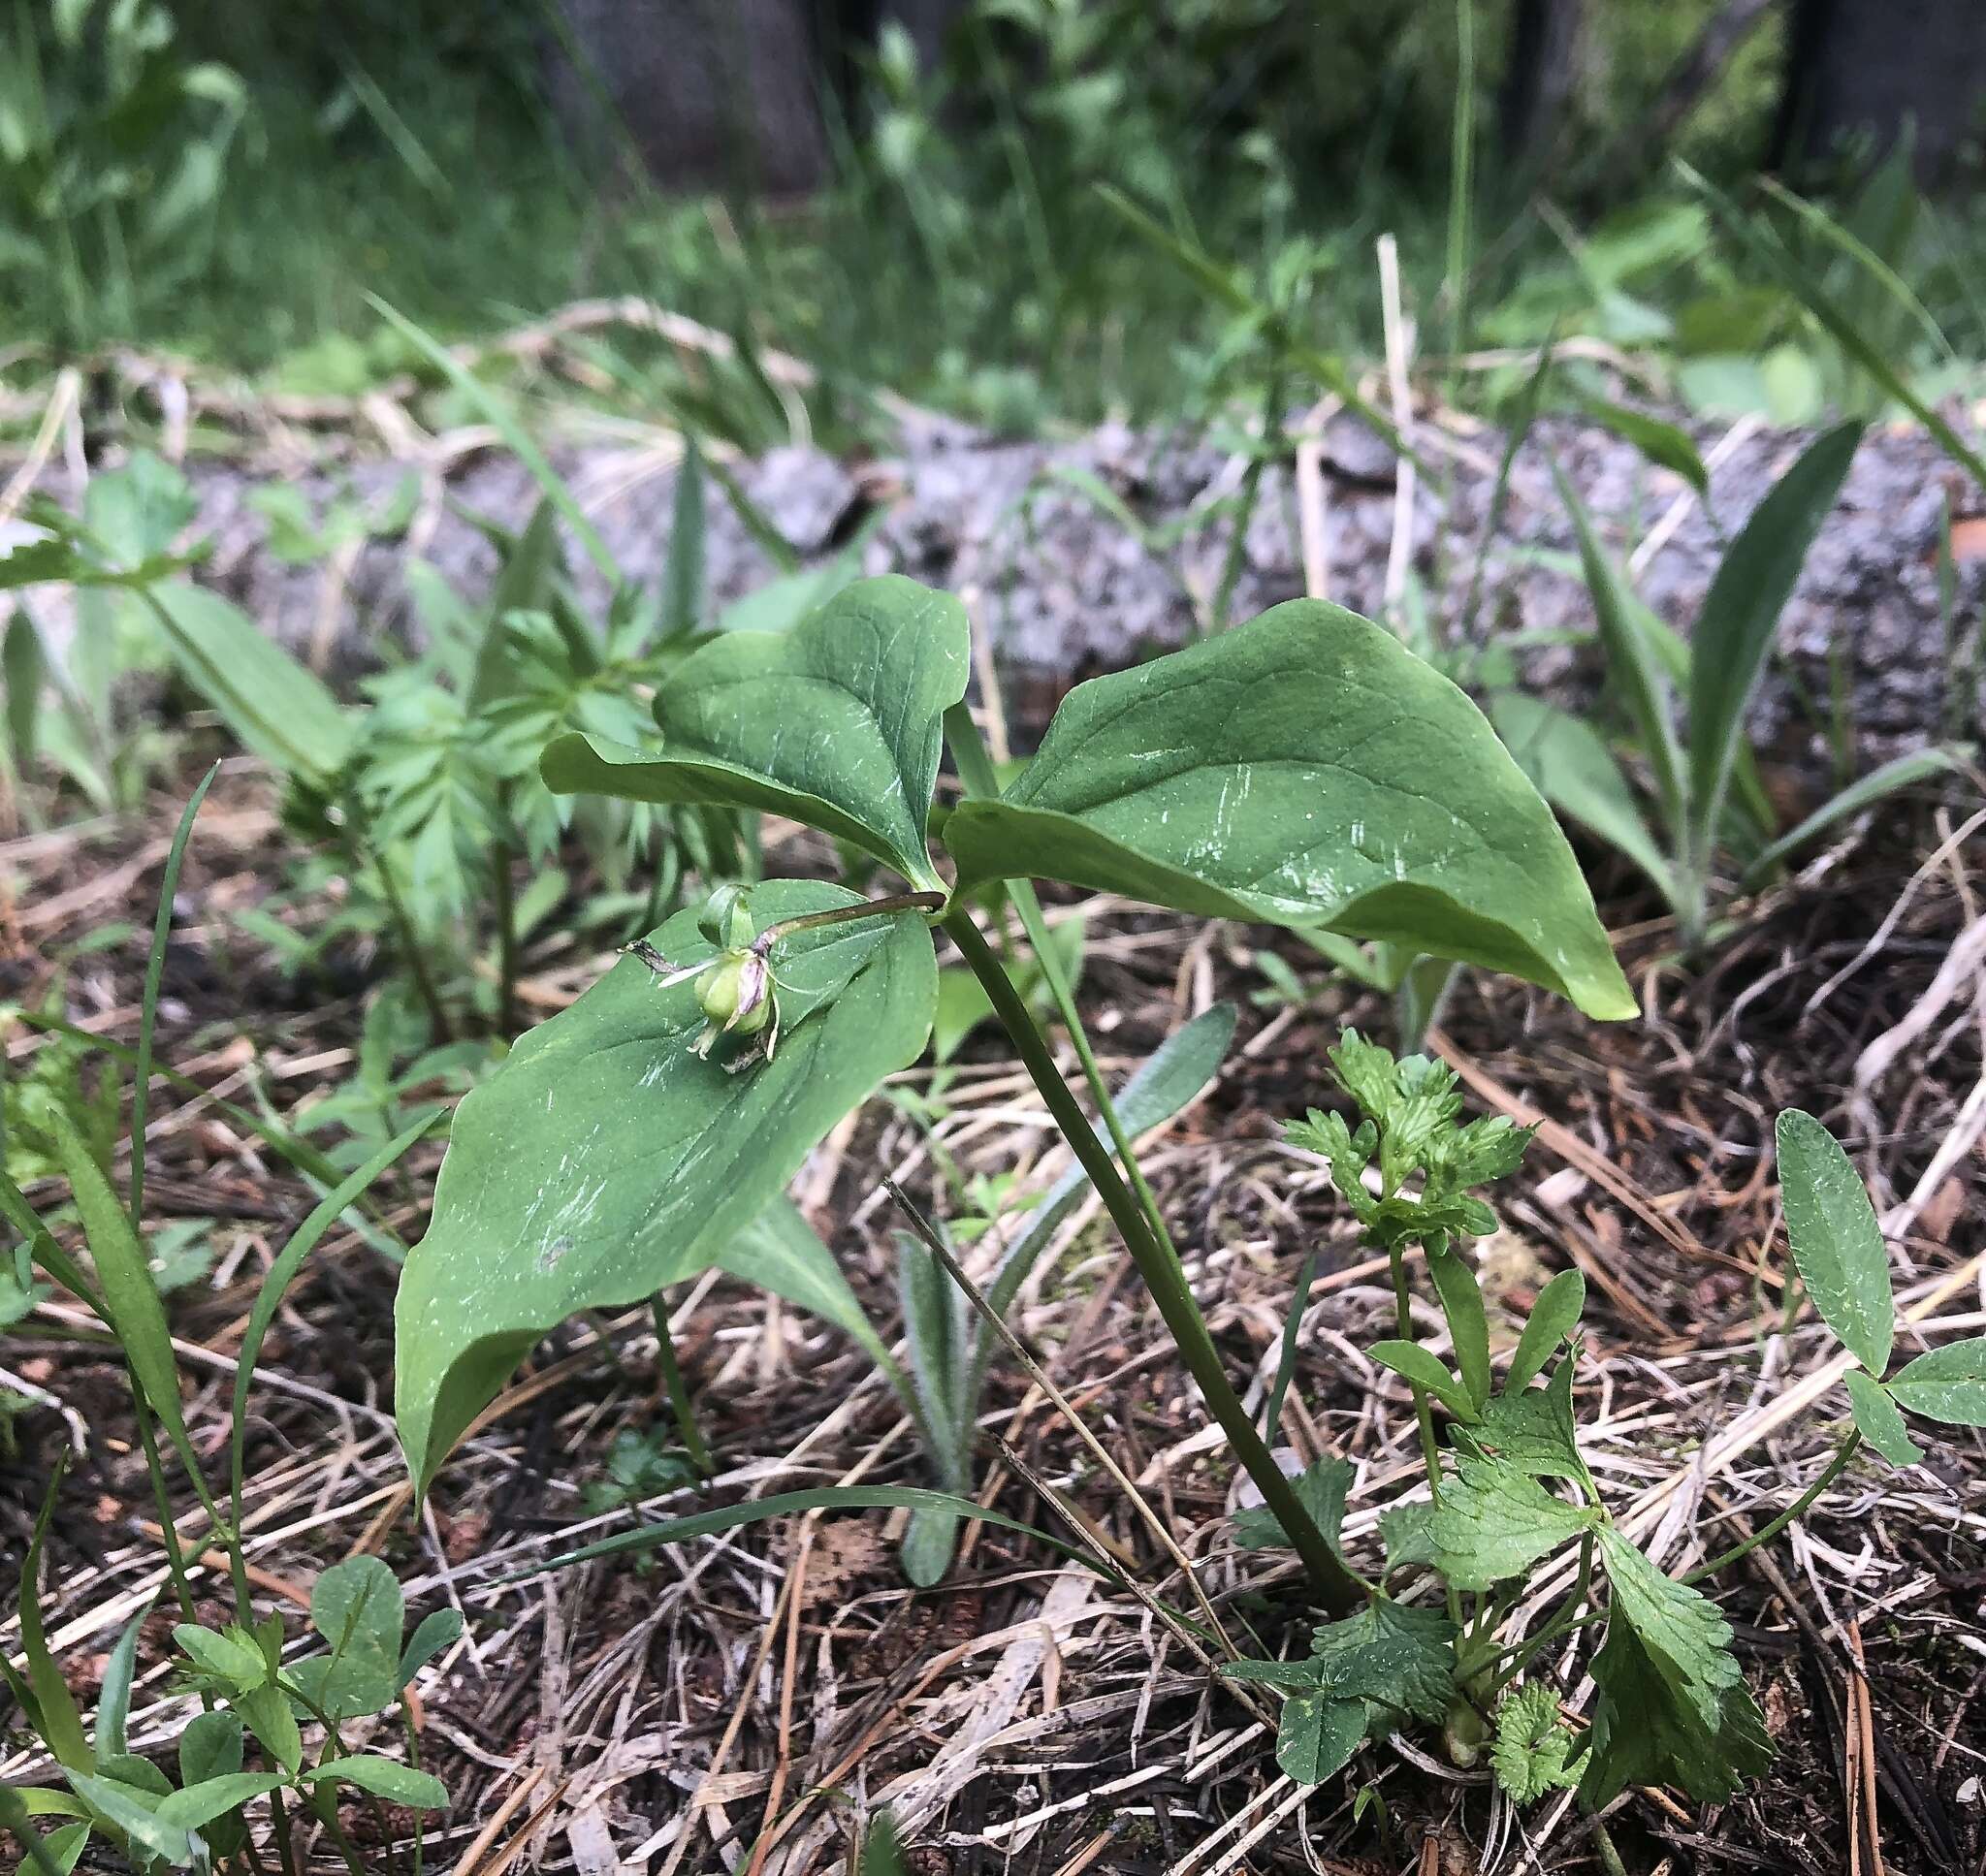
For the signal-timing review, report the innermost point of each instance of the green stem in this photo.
(1836, 1466)
(905, 902)
(1335, 1587)
(1423, 1414)
(678, 1391)
(359, 847)
(504, 905)
(175, 1556)
(1562, 1624)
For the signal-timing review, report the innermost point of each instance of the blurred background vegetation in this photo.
(923, 205)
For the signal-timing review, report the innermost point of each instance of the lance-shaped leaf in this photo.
(837, 723)
(1879, 1420)
(1949, 1385)
(1303, 769)
(603, 1161)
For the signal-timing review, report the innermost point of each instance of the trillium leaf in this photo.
(1836, 1243)
(1303, 769)
(603, 1161)
(837, 723)
(1878, 1419)
(1947, 1385)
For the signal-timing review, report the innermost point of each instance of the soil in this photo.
(662, 1712)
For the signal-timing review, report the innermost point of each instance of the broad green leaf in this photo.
(439, 1630)
(1317, 1735)
(266, 1713)
(837, 723)
(385, 1778)
(1391, 1655)
(1554, 1318)
(1633, 661)
(1672, 1704)
(1321, 1488)
(1878, 1420)
(1949, 1385)
(209, 1747)
(1733, 630)
(356, 1606)
(1302, 769)
(1837, 1244)
(276, 707)
(1404, 1530)
(1533, 1429)
(1468, 1323)
(137, 1316)
(603, 1161)
(1290, 1676)
(1494, 1522)
(198, 1806)
(1663, 444)
(1412, 1363)
(1570, 765)
(779, 1252)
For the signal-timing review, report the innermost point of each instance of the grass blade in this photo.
(149, 1011)
(1286, 1361)
(1900, 772)
(684, 581)
(60, 1722)
(1734, 631)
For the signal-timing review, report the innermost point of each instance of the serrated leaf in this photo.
(603, 1161)
(1302, 769)
(1493, 1521)
(1533, 1429)
(1878, 1419)
(1317, 1735)
(1319, 1488)
(1532, 1744)
(1292, 1676)
(1412, 1363)
(1553, 1317)
(1673, 1705)
(1391, 1654)
(1948, 1383)
(1468, 1323)
(1837, 1244)
(836, 724)
(1403, 1531)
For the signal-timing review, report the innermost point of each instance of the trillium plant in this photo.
(1302, 770)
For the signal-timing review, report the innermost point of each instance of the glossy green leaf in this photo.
(198, 1806)
(1837, 1244)
(1391, 1655)
(1302, 769)
(837, 723)
(276, 706)
(385, 1778)
(1317, 1735)
(1570, 765)
(268, 1714)
(603, 1161)
(1415, 1364)
(1468, 1323)
(1494, 1522)
(1949, 1385)
(1733, 630)
(1553, 1317)
(1878, 1419)
(228, 1655)
(209, 1747)
(134, 1812)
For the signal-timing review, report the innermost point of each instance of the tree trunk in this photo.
(712, 93)
(1874, 69)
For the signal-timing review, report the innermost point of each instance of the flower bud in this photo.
(726, 919)
(735, 992)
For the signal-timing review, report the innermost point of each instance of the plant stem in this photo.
(1423, 1414)
(359, 847)
(504, 905)
(1335, 1587)
(904, 901)
(680, 1408)
(1836, 1466)
(1563, 1623)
